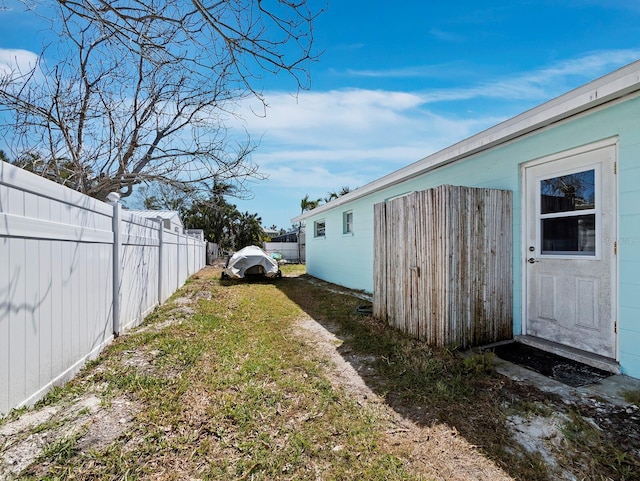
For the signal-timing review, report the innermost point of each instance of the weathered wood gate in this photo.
(442, 265)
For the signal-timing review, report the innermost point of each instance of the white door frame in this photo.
(605, 243)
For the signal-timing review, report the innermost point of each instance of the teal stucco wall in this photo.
(348, 259)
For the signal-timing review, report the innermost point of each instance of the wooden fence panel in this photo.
(442, 269)
(380, 298)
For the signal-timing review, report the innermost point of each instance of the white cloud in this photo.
(342, 121)
(439, 71)
(321, 141)
(314, 178)
(16, 61)
(540, 84)
(543, 84)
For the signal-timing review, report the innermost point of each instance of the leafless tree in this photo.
(143, 90)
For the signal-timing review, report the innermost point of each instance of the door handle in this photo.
(531, 260)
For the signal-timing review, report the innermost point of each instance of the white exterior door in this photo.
(570, 267)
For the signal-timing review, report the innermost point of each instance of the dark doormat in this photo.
(567, 371)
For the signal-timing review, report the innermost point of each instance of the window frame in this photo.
(316, 228)
(347, 224)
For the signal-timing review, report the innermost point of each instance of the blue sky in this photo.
(399, 81)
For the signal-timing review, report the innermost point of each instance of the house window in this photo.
(318, 228)
(347, 222)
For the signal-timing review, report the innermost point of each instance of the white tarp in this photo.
(248, 257)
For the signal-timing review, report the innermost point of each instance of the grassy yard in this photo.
(219, 383)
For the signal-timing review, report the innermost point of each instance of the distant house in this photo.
(572, 169)
(270, 232)
(170, 218)
(289, 247)
(291, 236)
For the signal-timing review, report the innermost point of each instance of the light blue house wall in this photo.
(347, 259)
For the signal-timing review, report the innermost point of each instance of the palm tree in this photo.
(248, 230)
(306, 204)
(334, 195)
(331, 196)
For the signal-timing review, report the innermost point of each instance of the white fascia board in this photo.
(612, 86)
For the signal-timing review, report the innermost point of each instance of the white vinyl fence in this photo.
(66, 287)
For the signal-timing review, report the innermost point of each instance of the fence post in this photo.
(160, 249)
(114, 200)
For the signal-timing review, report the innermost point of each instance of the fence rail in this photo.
(74, 271)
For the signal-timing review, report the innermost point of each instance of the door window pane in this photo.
(568, 193)
(575, 235)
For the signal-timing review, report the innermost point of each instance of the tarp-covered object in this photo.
(251, 261)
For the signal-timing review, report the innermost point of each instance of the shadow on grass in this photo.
(431, 386)
(424, 384)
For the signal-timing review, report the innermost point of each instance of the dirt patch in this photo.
(343, 369)
(19, 449)
(437, 451)
(86, 421)
(337, 290)
(539, 434)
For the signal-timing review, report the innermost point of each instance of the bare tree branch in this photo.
(141, 91)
